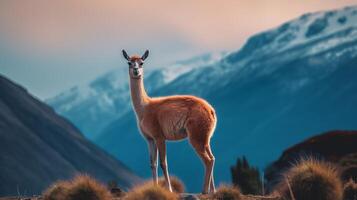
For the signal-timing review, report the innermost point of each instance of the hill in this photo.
(39, 147)
(338, 147)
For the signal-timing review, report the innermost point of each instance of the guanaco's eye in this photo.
(141, 64)
(129, 63)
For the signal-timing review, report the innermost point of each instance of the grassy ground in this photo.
(307, 180)
(183, 197)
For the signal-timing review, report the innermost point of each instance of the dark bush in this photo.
(246, 177)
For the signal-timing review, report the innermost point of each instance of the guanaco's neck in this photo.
(139, 97)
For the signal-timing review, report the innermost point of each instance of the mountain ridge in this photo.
(319, 147)
(39, 147)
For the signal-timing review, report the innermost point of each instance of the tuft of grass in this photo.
(311, 180)
(150, 191)
(56, 191)
(225, 192)
(176, 184)
(83, 187)
(350, 190)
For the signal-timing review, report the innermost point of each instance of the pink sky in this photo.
(58, 40)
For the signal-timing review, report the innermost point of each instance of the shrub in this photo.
(176, 184)
(56, 191)
(350, 191)
(150, 191)
(246, 177)
(311, 180)
(83, 187)
(227, 193)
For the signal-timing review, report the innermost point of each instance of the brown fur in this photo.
(163, 117)
(174, 118)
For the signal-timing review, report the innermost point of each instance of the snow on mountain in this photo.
(94, 105)
(308, 28)
(307, 36)
(181, 67)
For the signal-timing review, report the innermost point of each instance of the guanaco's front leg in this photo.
(153, 159)
(163, 162)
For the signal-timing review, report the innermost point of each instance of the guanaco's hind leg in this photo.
(209, 152)
(208, 162)
(199, 135)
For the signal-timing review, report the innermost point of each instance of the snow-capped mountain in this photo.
(93, 106)
(281, 87)
(309, 35)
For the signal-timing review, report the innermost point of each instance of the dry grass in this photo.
(82, 187)
(311, 180)
(150, 191)
(56, 191)
(176, 184)
(350, 190)
(225, 192)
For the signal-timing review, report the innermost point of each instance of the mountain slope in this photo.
(39, 147)
(333, 146)
(93, 106)
(283, 86)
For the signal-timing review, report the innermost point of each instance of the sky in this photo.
(50, 46)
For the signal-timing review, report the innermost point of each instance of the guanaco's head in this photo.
(136, 63)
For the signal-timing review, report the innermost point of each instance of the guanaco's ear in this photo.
(146, 54)
(125, 55)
